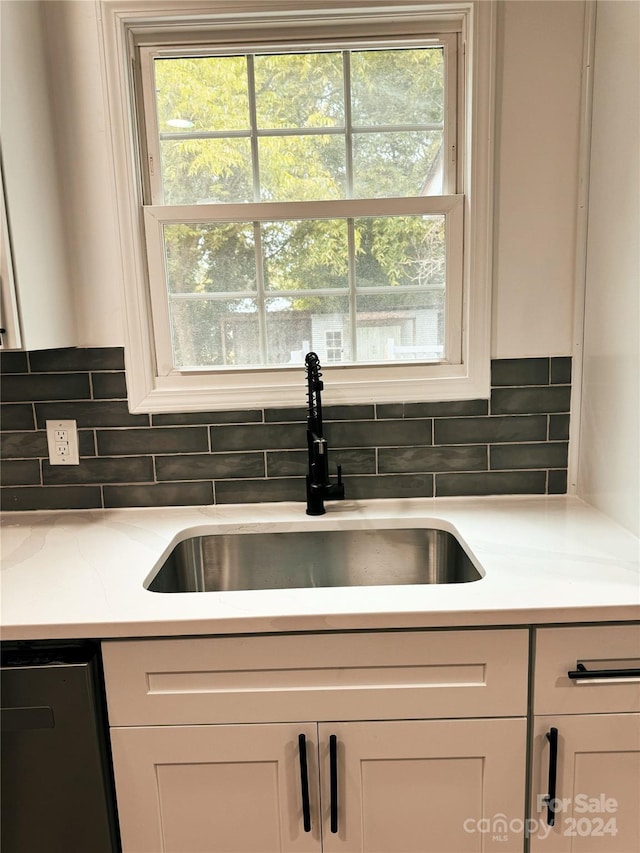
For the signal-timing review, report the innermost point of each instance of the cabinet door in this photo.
(215, 789)
(9, 318)
(597, 789)
(426, 786)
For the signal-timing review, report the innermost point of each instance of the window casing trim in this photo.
(124, 22)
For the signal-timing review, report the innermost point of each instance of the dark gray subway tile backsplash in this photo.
(514, 443)
(50, 386)
(54, 497)
(551, 454)
(557, 482)
(490, 429)
(74, 359)
(152, 440)
(96, 413)
(125, 469)
(492, 483)
(520, 371)
(395, 460)
(451, 409)
(108, 386)
(561, 371)
(525, 401)
(23, 445)
(159, 494)
(21, 472)
(210, 466)
(558, 427)
(17, 416)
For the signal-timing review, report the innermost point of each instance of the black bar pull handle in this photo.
(304, 783)
(550, 799)
(581, 673)
(333, 781)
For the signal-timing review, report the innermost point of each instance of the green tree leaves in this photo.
(297, 127)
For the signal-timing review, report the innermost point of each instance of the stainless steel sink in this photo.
(314, 559)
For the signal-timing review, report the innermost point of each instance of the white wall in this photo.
(540, 45)
(609, 470)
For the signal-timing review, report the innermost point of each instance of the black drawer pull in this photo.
(581, 673)
(550, 799)
(304, 783)
(333, 778)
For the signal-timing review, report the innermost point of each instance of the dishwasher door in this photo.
(57, 790)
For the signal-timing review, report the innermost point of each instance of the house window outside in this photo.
(333, 346)
(290, 173)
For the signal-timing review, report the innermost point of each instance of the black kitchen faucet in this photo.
(319, 486)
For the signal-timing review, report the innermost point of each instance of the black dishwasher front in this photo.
(57, 790)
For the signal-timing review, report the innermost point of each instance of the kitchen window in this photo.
(301, 182)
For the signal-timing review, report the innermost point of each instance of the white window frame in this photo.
(153, 384)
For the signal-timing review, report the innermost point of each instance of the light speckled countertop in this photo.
(546, 560)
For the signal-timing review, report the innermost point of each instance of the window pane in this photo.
(213, 333)
(203, 110)
(305, 255)
(400, 326)
(299, 90)
(197, 97)
(197, 94)
(302, 168)
(206, 171)
(391, 165)
(400, 250)
(397, 87)
(302, 260)
(297, 325)
(210, 257)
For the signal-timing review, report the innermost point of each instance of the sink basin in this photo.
(314, 558)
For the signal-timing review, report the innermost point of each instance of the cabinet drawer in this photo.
(611, 652)
(376, 675)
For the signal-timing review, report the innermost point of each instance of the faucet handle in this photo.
(336, 491)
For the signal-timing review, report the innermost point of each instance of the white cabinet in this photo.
(203, 789)
(586, 740)
(422, 786)
(10, 337)
(414, 741)
(405, 786)
(36, 300)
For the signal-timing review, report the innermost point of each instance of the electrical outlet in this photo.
(62, 440)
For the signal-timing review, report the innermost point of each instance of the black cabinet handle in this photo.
(333, 780)
(582, 673)
(552, 737)
(304, 783)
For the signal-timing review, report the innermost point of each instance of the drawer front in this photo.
(377, 675)
(604, 661)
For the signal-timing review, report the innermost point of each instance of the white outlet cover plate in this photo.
(71, 457)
